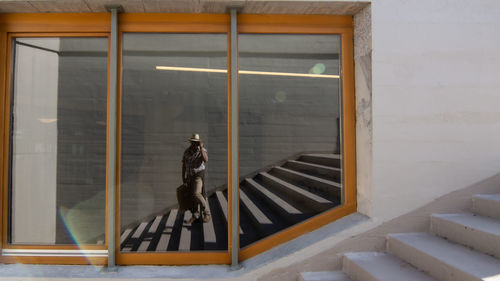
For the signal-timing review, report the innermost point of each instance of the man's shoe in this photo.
(191, 220)
(206, 217)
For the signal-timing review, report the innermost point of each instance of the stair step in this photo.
(209, 238)
(155, 225)
(185, 242)
(326, 159)
(380, 266)
(254, 211)
(324, 187)
(223, 205)
(140, 230)
(324, 276)
(486, 205)
(320, 170)
(441, 259)
(144, 246)
(125, 235)
(328, 184)
(281, 206)
(313, 201)
(162, 245)
(478, 232)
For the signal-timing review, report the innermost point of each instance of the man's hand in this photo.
(201, 144)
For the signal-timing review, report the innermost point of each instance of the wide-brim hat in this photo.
(195, 137)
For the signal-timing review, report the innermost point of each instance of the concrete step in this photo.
(139, 231)
(478, 232)
(315, 184)
(185, 241)
(223, 207)
(373, 266)
(486, 205)
(441, 259)
(331, 160)
(167, 232)
(300, 195)
(324, 276)
(262, 223)
(322, 171)
(283, 208)
(209, 237)
(125, 235)
(154, 227)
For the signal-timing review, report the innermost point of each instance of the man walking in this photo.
(193, 175)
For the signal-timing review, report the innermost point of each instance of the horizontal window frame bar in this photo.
(54, 253)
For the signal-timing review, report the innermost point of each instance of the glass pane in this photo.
(289, 134)
(174, 86)
(58, 141)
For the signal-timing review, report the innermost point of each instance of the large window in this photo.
(58, 141)
(219, 142)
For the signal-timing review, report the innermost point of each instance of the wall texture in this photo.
(363, 86)
(436, 119)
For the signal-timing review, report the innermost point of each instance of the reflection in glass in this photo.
(167, 97)
(289, 133)
(58, 141)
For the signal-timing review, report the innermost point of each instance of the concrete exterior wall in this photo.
(436, 120)
(363, 92)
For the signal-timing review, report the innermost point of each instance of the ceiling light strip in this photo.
(287, 74)
(191, 69)
(269, 73)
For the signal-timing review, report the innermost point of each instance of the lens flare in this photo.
(318, 68)
(85, 223)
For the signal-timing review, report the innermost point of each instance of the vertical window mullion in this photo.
(234, 141)
(112, 133)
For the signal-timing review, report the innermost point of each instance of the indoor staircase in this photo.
(270, 200)
(460, 247)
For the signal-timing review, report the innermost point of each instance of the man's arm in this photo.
(203, 153)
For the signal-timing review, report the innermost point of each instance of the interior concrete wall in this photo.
(81, 153)
(436, 120)
(34, 149)
(59, 141)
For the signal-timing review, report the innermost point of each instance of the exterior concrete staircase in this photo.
(463, 246)
(270, 200)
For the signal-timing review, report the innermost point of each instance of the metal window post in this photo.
(113, 78)
(234, 140)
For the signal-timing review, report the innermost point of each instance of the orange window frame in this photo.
(91, 25)
(41, 25)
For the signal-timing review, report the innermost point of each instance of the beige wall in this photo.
(436, 119)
